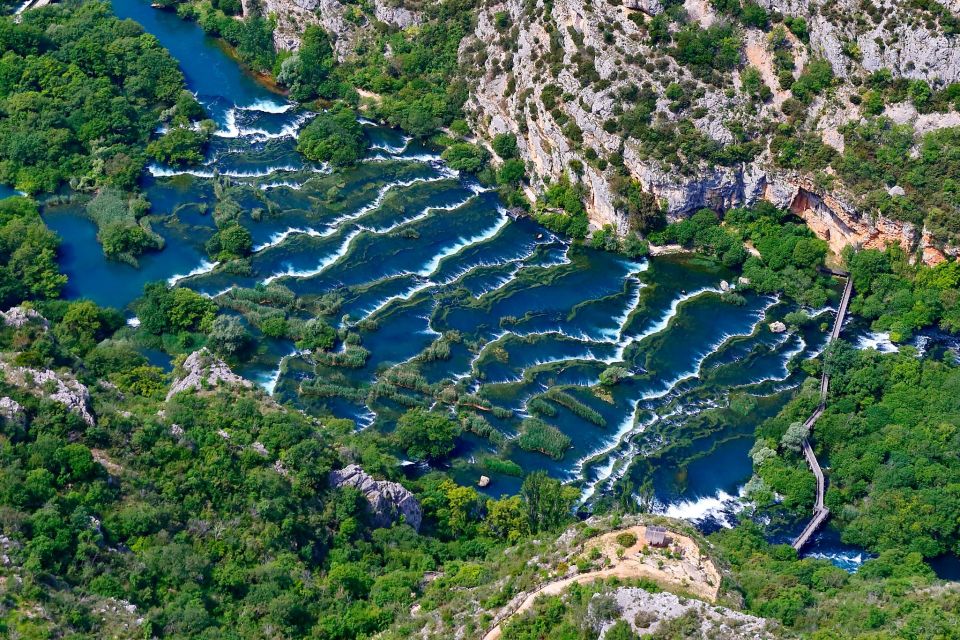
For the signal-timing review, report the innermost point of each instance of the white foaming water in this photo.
(296, 186)
(423, 214)
(205, 267)
(326, 262)
(621, 321)
(281, 236)
(230, 128)
(707, 506)
(167, 172)
(406, 295)
(393, 149)
(879, 340)
(222, 292)
(269, 383)
(849, 561)
(452, 250)
(427, 158)
(671, 313)
(381, 195)
(267, 106)
(464, 272)
(611, 450)
(133, 322)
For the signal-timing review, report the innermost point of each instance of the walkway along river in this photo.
(820, 511)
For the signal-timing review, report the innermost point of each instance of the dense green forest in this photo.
(81, 94)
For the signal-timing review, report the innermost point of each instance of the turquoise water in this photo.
(414, 251)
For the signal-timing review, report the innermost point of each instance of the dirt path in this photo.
(684, 567)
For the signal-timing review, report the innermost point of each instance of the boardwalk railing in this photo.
(820, 511)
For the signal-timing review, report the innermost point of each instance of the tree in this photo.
(612, 375)
(233, 241)
(316, 335)
(511, 172)
(426, 435)
(83, 325)
(505, 145)
(549, 502)
(507, 519)
(333, 136)
(464, 156)
(621, 630)
(28, 254)
(228, 336)
(179, 147)
(306, 72)
(794, 436)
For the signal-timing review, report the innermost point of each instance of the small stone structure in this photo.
(656, 536)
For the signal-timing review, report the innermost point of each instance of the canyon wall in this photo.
(590, 53)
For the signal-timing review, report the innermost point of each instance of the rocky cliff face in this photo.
(513, 76)
(592, 56)
(889, 34)
(341, 20)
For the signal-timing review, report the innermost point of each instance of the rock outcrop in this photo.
(18, 317)
(343, 21)
(891, 34)
(389, 501)
(647, 612)
(203, 370)
(49, 384)
(11, 412)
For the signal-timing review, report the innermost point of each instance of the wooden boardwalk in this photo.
(820, 511)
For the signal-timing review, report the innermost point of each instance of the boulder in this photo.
(777, 327)
(388, 500)
(484, 481)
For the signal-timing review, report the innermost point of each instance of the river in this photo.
(416, 250)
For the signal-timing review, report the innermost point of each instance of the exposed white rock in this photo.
(777, 327)
(203, 370)
(388, 500)
(59, 387)
(653, 610)
(20, 316)
(11, 411)
(293, 16)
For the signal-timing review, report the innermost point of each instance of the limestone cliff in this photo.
(343, 21)
(557, 76)
(506, 98)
